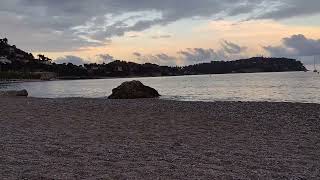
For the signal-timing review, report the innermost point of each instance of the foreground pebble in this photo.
(155, 139)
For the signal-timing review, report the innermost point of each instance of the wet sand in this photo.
(157, 139)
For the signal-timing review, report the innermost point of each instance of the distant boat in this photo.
(314, 65)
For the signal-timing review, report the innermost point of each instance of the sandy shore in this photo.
(157, 139)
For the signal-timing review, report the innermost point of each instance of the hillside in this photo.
(24, 65)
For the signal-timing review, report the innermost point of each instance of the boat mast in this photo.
(314, 64)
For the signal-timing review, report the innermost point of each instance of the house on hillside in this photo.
(46, 62)
(118, 69)
(22, 58)
(94, 67)
(11, 50)
(4, 60)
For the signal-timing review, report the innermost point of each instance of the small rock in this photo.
(23, 93)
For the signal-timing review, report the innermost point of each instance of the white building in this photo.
(46, 62)
(11, 50)
(4, 60)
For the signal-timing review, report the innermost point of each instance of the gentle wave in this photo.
(275, 87)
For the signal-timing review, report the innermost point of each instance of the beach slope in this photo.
(156, 139)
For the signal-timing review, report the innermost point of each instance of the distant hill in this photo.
(251, 65)
(10, 54)
(16, 61)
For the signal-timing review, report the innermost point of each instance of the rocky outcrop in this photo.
(46, 76)
(133, 90)
(22, 93)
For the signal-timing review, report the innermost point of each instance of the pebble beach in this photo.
(77, 138)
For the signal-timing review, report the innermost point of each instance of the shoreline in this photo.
(164, 99)
(79, 138)
(172, 100)
(71, 78)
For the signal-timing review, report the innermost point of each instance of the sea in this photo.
(301, 87)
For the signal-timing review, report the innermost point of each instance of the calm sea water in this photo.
(275, 87)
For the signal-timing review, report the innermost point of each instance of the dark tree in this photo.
(5, 40)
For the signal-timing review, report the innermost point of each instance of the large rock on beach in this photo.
(21, 93)
(133, 90)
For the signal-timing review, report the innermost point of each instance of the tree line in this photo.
(25, 62)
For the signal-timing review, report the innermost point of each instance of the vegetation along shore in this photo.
(18, 64)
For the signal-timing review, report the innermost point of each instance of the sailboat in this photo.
(314, 64)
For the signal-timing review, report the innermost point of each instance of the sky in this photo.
(166, 32)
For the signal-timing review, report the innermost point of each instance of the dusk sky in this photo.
(166, 32)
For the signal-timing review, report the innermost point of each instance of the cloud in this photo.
(67, 25)
(161, 37)
(228, 51)
(160, 59)
(99, 58)
(105, 58)
(232, 48)
(133, 36)
(199, 55)
(296, 45)
(70, 59)
(289, 8)
(137, 54)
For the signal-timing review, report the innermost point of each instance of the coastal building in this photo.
(21, 56)
(46, 62)
(94, 68)
(4, 60)
(11, 50)
(119, 69)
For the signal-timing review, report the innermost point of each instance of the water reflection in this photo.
(4, 86)
(293, 87)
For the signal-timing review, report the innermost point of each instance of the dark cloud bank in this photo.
(296, 45)
(59, 25)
